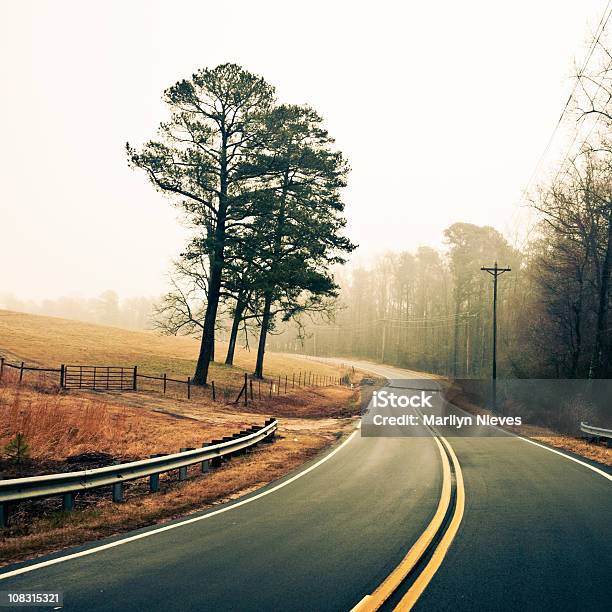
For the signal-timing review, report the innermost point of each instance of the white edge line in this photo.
(557, 452)
(146, 534)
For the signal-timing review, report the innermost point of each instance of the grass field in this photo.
(62, 428)
(51, 341)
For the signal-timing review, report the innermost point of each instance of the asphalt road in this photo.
(535, 536)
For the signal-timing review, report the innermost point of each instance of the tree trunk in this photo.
(268, 295)
(200, 376)
(456, 339)
(207, 347)
(239, 310)
(263, 333)
(600, 361)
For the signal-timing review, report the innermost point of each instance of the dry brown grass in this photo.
(51, 341)
(61, 424)
(58, 425)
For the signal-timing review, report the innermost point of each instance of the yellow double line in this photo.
(373, 602)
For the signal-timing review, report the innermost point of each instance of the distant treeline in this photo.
(106, 309)
(432, 310)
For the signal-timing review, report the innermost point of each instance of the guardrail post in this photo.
(135, 385)
(206, 463)
(183, 470)
(270, 437)
(228, 456)
(154, 478)
(118, 492)
(215, 461)
(68, 502)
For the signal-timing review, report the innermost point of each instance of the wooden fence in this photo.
(122, 378)
(108, 378)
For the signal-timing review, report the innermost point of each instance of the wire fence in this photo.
(129, 378)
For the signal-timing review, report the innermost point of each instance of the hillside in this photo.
(67, 429)
(50, 341)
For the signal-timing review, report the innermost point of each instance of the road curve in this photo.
(534, 536)
(321, 542)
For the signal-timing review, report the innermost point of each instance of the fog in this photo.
(442, 110)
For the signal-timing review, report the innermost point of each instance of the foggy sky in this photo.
(442, 110)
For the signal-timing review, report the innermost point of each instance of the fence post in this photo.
(189, 387)
(165, 382)
(135, 385)
(1, 366)
(21, 373)
(285, 384)
(246, 390)
(251, 383)
(293, 381)
(212, 384)
(270, 388)
(259, 388)
(279, 385)
(3, 515)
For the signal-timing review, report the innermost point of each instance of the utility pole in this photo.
(495, 272)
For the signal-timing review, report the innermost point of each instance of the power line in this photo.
(598, 117)
(603, 22)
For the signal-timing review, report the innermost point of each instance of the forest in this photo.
(431, 309)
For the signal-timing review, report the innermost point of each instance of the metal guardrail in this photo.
(69, 483)
(598, 432)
